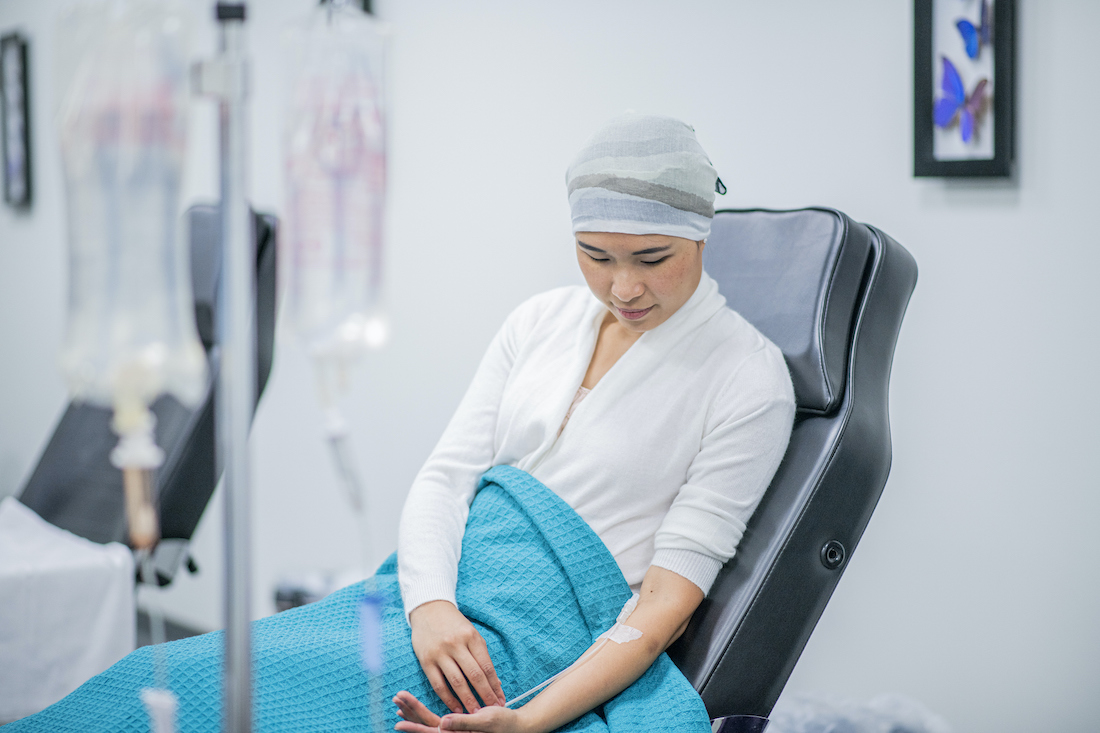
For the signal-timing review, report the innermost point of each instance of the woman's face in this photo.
(642, 278)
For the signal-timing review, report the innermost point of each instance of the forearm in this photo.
(429, 544)
(667, 603)
(610, 671)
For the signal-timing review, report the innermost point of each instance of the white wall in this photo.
(975, 587)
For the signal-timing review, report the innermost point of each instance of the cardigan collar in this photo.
(703, 303)
(631, 369)
(653, 346)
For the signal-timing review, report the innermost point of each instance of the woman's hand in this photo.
(418, 719)
(454, 657)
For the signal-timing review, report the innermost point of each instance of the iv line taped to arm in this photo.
(619, 633)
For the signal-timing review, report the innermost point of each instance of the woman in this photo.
(655, 412)
(625, 439)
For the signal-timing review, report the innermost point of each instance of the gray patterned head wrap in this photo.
(643, 174)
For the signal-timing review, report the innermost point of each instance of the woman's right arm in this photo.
(451, 652)
(664, 608)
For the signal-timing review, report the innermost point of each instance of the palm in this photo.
(419, 719)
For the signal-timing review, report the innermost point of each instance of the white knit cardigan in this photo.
(665, 459)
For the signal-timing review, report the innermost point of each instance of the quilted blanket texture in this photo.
(534, 579)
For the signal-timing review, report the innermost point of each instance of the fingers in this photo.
(412, 710)
(439, 684)
(457, 680)
(449, 680)
(488, 720)
(454, 658)
(479, 680)
(418, 719)
(407, 727)
(480, 652)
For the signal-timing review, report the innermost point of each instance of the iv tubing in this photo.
(580, 660)
(156, 624)
(619, 633)
(337, 434)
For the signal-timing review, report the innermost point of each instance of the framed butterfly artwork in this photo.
(964, 88)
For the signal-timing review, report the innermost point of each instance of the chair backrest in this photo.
(831, 293)
(75, 487)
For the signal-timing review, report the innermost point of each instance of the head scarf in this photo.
(643, 174)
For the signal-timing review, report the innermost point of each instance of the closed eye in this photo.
(655, 262)
(598, 259)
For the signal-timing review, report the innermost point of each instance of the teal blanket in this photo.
(534, 579)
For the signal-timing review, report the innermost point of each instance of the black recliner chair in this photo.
(831, 293)
(75, 487)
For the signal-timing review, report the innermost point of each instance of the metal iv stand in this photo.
(226, 78)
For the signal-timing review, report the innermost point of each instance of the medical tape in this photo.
(619, 633)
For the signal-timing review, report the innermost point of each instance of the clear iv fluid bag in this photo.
(335, 158)
(122, 121)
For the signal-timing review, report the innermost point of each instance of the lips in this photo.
(633, 315)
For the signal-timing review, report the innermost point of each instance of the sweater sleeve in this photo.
(746, 435)
(433, 520)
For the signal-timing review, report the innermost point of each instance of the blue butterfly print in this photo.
(975, 38)
(955, 104)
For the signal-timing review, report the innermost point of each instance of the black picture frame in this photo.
(15, 125)
(1003, 107)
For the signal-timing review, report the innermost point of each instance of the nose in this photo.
(627, 286)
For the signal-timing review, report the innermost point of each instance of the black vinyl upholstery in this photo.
(831, 293)
(75, 487)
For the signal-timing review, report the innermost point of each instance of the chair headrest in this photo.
(796, 276)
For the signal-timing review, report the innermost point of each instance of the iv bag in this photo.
(335, 159)
(122, 121)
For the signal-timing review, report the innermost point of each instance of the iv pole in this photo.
(225, 78)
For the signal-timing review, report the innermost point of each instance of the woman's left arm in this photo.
(664, 608)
